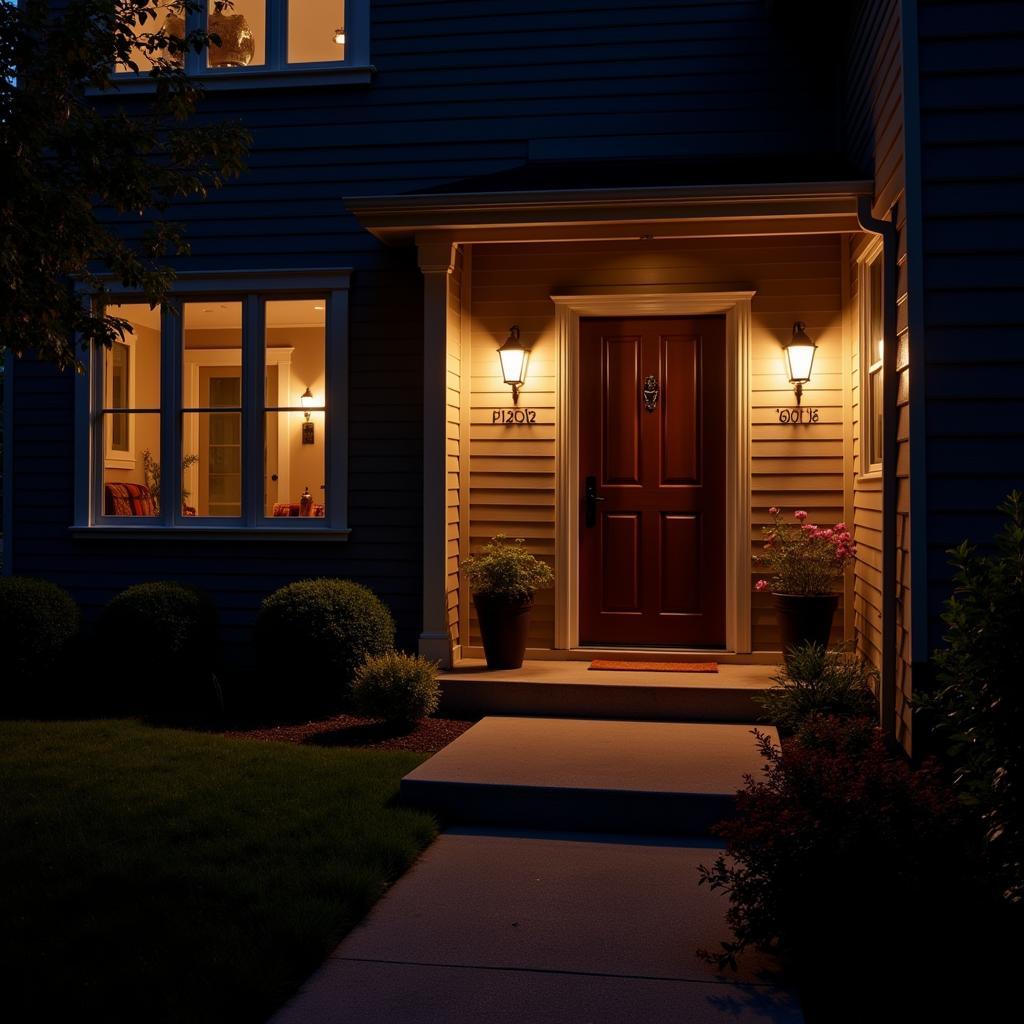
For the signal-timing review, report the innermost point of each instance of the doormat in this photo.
(654, 666)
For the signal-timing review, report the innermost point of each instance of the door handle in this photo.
(590, 500)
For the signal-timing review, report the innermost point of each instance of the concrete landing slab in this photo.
(569, 689)
(548, 927)
(666, 778)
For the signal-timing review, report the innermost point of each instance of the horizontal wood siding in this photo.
(972, 107)
(461, 88)
(513, 468)
(875, 138)
(453, 451)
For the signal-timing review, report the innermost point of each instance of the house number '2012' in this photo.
(799, 415)
(514, 416)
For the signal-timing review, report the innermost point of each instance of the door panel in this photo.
(652, 435)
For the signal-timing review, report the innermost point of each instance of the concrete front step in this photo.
(657, 778)
(568, 689)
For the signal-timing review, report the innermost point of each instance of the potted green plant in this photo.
(504, 578)
(804, 565)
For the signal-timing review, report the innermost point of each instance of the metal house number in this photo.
(650, 393)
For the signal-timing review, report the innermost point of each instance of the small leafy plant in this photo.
(398, 688)
(977, 710)
(151, 474)
(506, 569)
(835, 834)
(818, 681)
(801, 558)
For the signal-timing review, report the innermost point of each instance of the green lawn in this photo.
(156, 875)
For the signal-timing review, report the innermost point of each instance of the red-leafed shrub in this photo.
(835, 838)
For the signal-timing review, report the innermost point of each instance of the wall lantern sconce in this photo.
(514, 357)
(307, 401)
(799, 358)
(339, 36)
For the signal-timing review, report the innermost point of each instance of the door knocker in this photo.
(650, 393)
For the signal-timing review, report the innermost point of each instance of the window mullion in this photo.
(195, 21)
(277, 34)
(253, 376)
(171, 418)
(336, 409)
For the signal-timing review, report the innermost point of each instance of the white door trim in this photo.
(735, 304)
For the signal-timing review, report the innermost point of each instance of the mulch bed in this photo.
(429, 736)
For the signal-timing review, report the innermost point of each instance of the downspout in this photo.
(890, 431)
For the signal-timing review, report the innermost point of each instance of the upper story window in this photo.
(224, 410)
(261, 37)
(872, 333)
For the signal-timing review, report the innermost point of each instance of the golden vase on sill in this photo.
(237, 46)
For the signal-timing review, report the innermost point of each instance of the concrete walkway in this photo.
(525, 927)
(504, 923)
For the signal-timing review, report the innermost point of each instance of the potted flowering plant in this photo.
(503, 578)
(804, 564)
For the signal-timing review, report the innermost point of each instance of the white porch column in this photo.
(436, 260)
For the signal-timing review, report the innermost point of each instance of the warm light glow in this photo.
(307, 401)
(513, 358)
(799, 359)
(881, 349)
(339, 36)
(799, 355)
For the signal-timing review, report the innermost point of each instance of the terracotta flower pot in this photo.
(804, 618)
(503, 627)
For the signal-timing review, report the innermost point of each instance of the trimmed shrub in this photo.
(830, 839)
(313, 635)
(816, 681)
(399, 688)
(37, 621)
(158, 643)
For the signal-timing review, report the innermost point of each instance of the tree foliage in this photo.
(83, 164)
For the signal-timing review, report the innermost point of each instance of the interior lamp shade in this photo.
(514, 357)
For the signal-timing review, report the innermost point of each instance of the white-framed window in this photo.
(225, 410)
(872, 333)
(271, 41)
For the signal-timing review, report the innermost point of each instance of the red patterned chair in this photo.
(291, 508)
(128, 500)
(133, 500)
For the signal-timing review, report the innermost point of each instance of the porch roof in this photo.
(639, 211)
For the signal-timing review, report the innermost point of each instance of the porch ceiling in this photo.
(615, 213)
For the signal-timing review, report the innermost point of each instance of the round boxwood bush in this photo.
(399, 688)
(313, 635)
(158, 642)
(37, 620)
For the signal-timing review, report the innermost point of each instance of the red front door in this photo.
(652, 476)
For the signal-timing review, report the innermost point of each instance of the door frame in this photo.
(735, 304)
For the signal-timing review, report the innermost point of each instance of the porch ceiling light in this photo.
(799, 358)
(339, 36)
(514, 357)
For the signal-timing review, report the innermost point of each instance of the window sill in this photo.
(871, 476)
(217, 81)
(261, 533)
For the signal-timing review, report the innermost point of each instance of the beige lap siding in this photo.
(453, 448)
(512, 468)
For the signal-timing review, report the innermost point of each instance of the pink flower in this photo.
(840, 527)
(801, 515)
(761, 586)
(773, 511)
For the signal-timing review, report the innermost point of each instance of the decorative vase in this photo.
(236, 48)
(503, 626)
(804, 618)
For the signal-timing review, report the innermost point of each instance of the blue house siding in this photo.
(461, 89)
(972, 154)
